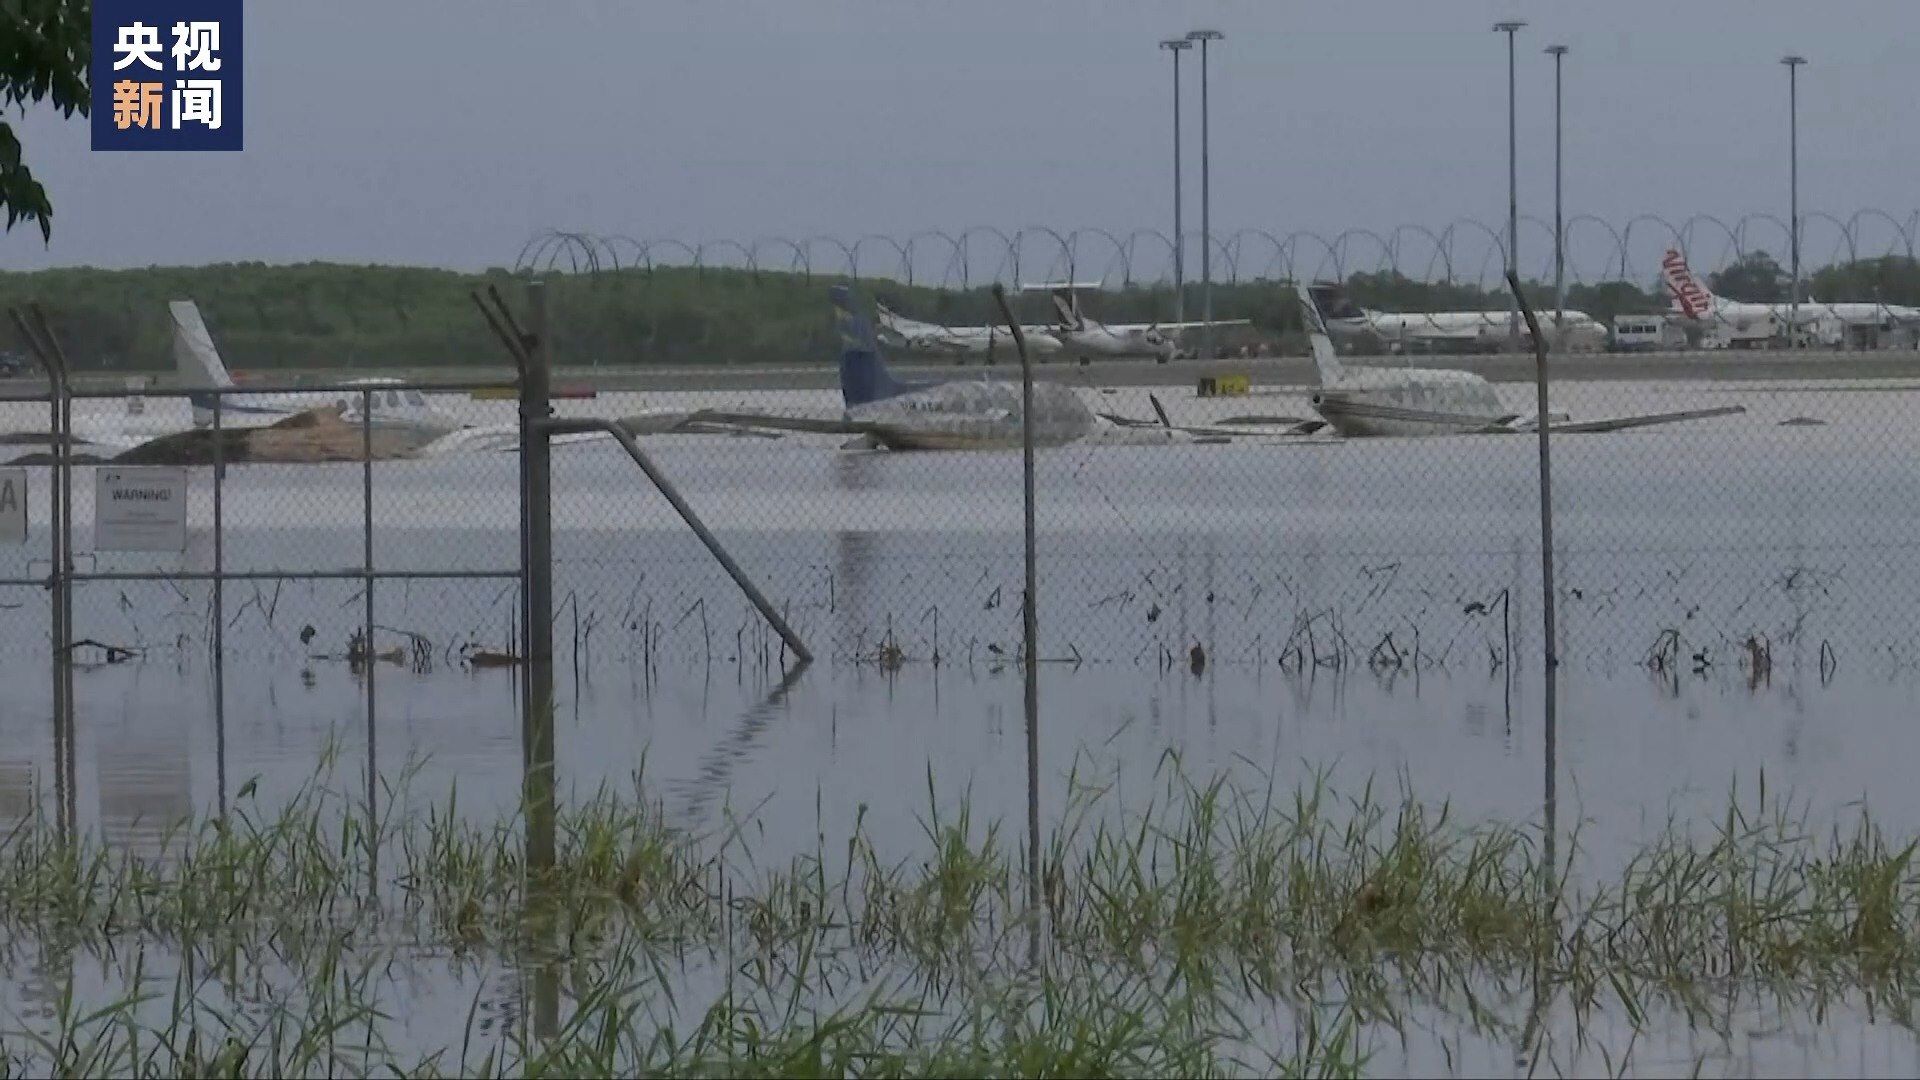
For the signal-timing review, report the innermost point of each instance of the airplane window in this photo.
(416, 400)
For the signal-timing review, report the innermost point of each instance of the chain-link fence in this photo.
(1209, 510)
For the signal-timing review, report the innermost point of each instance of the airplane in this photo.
(1088, 337)
(1697, 304)
(387, 406)
(972, 414)
(938, 340)
(1432, 401)
(1577, 329)
(199, 370)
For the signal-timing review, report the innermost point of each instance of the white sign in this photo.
(140, 508)
(13, 506)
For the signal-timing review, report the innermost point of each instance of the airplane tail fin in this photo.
(1325, 362)
(1066, 303)
(886, 316)
(1690, 296)
(196, 363)
(1332, 302)
(863, 374)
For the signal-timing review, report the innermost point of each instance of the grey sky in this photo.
(448, 132)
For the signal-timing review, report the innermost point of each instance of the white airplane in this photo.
(199, 369)
(938, 340)
(1577, 331)
(1697, 304)
(386, 405)
(963, 414)
(1087, 337)
(1431, 401)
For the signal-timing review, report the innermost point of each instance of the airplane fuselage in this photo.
(1106, 341)
(1847, 312)
(986, 416)
(933, 339)
(1409, 402)
(1580, 330)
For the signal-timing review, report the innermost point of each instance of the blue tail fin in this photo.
(863, 374)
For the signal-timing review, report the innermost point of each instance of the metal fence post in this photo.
(61, 475)
(46, 348)
(219, 604)
(371, 658)
(1030, 629)
(1550, 658)
(538, 719)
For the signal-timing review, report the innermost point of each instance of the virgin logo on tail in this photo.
(1694, 300)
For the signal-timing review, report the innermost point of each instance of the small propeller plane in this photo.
(974, 414)
(1434, 401)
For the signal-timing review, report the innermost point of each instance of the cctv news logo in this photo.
(166, 75)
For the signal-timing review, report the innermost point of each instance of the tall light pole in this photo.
(1176, 46)
(1559, 230)
(1793, 189)
(1513, 186)
(1206, 195)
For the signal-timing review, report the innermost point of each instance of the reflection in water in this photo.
(716, 768)
(19, 793)
(145, 787)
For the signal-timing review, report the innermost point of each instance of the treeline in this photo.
(323, 316)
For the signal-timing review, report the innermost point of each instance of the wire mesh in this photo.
(1783, 524)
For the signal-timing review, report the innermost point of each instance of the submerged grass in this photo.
(1217, 929)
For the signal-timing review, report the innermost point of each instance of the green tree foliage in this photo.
(325, 316)
(1755, 278)
(45, 49)
(1892, 279)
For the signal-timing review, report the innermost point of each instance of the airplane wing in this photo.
(1232, 427)
(1126, 327)
(505, 438)
(1528, 424)
(1646, 420)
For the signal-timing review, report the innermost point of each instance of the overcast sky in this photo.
(449, 132)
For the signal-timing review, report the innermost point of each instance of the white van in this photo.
(1639, 333)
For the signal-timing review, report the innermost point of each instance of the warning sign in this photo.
(140, 508)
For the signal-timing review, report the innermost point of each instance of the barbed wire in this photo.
(1465, 251)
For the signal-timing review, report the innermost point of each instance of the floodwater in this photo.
(1370, 609)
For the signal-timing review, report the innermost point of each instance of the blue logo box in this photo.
(167, 75)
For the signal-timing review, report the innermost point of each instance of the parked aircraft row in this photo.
(1693, 306)
(1694, 303)
(1573, 330)
(1072, 332)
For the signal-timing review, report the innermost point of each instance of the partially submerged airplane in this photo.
(1432, 401)
(1576, 331)
(971, 414)
(938, 340)
(1087, 337)
(1698, 305)
(385, 404)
